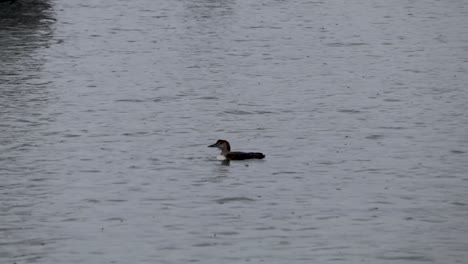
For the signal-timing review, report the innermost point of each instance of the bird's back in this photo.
(244, 155)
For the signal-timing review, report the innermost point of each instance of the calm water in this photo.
(360, 106)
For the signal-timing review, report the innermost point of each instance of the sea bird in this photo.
(227, 154)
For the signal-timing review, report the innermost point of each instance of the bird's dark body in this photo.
(244, 155)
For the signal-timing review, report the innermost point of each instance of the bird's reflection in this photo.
(25, 28)
(209, 9)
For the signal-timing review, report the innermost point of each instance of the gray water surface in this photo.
(106, 110)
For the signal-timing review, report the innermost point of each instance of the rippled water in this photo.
(106, 110)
